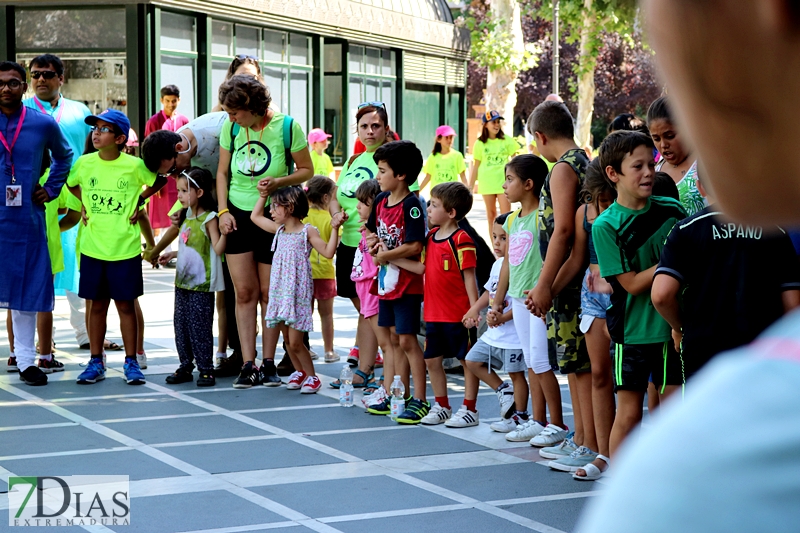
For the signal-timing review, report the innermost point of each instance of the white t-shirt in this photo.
(206, 129)
(505, 335)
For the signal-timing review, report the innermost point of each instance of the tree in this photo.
(586, 21)
(498, 45)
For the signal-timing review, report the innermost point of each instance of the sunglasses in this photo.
(102, 129)
(46, 74)
(243, 57)
(11, 84)
(362, 105)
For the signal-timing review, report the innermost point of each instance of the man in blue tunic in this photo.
(26, 286)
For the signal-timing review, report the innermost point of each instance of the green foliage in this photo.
(493, 44)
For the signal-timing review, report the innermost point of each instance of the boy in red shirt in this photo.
(450, 291)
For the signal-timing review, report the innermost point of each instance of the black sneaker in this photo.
(33, 376)
(182, 375)
(285, 367)
(269, 375)
(229, 366)
(415, 412)
(248, 377)
(206, 379)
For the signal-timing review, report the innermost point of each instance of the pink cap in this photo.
(133, 140)
(318, 135)
(445, 131)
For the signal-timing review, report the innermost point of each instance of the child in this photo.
(490, 154)
(628, 237)
(552, 126)
(499, 346)
(444, 164)
(319, 191)
(109, 184)
(573, 454)
(713, 274)
(198, 275)
(318, 141)
(397, 221)
(291, 286)
(664, 186)
(450, 291)
(525, 175)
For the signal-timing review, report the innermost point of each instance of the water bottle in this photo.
(398, 394)
(346, 386)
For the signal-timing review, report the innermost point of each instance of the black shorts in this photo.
(402, 313)
(697, 353)
(345, 255)
(248, 237)
(448, 339)
(634, 364)
(111, 280)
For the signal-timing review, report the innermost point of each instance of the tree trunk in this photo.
(501, 84)
(586, 78)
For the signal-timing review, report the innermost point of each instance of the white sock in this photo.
(11, 354)
(48, 357)
(222, 355)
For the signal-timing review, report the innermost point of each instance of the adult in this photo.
(26, 286)
(732, 95)
(372, 127)
(47, 79)
(677, 158)
(253, 159)
(242, 65)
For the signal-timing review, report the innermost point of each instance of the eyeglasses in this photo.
(46, 74)
(11, 84)
(102, 129)
(362, 105)
(172, 169)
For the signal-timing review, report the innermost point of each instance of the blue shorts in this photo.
(593, 305)
(448, 339)
(111, 280)
(402, 313)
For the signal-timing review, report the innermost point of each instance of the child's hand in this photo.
(677, 338)
(372, 240)
(84, 216)
(267, 186)
(163, 259)
(471, 319)
(148, 256)
(539, 300)
(493, 319)
(380, 251)
(338, 219)
(597, 284)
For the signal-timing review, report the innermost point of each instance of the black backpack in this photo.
(484, 254)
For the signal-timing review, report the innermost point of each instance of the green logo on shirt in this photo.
(415, 212)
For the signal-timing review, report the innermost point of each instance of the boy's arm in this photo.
(636, 283)
(157, 185)
(471, 284)
(167, 238)
(258, 218)
(146, 229)
(408, 264)
(577, 257)
(408, 249)
(75, 190)
(664, 295)
(69, 220)
(502, 286)
(564, 191)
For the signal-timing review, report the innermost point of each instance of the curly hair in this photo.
(245, 93)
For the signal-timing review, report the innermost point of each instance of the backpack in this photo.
(288, 122)
(484, 255)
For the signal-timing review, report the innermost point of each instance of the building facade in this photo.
(319, 58)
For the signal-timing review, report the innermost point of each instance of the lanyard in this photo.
(247, 153)
(10, 149)
(41, 108)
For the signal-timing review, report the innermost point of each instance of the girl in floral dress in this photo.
(291, 286)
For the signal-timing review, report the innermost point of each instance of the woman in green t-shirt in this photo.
(250, 163)
(490, 153)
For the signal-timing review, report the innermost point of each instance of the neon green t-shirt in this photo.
(262, 156)
(52, 229)
(444, 168)
(363, 168)
(493, 155)
(323, 165)
(110, 192)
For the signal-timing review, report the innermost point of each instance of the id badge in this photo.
(13, 195)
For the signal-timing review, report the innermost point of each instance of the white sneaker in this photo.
(525, 431)
(566, 447)
(375, 398)
(577, 459)
(506, 425)
(142, 358)
(437, 415)
(314, 355)
(463, 418)
(506, 398)
(551, 436)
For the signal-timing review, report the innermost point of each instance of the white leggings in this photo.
(24, 327)
(532, 334)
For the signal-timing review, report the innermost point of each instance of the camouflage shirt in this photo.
(577, 159)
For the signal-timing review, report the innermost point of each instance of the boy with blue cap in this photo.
(109, 184)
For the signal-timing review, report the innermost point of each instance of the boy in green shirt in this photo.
(628, 238)
(108, 183)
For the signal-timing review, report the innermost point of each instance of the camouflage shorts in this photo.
(565, 342)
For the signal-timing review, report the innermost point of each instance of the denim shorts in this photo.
(593, 305)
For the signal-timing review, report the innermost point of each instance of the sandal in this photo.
(372, 386)
(336, 384)
(592, 472)
(111, 346)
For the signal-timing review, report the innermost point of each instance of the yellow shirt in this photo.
(444, 168)
(110, 192)
(321, 267)
(323, 165)
(493, 155)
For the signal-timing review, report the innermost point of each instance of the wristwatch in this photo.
(142, 201)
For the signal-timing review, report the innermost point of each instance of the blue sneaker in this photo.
(94, 372)
(133, 374)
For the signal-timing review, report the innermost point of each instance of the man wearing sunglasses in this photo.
(26, 285)
(47, 79)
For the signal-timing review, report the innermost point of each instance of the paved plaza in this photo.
(226, 460)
